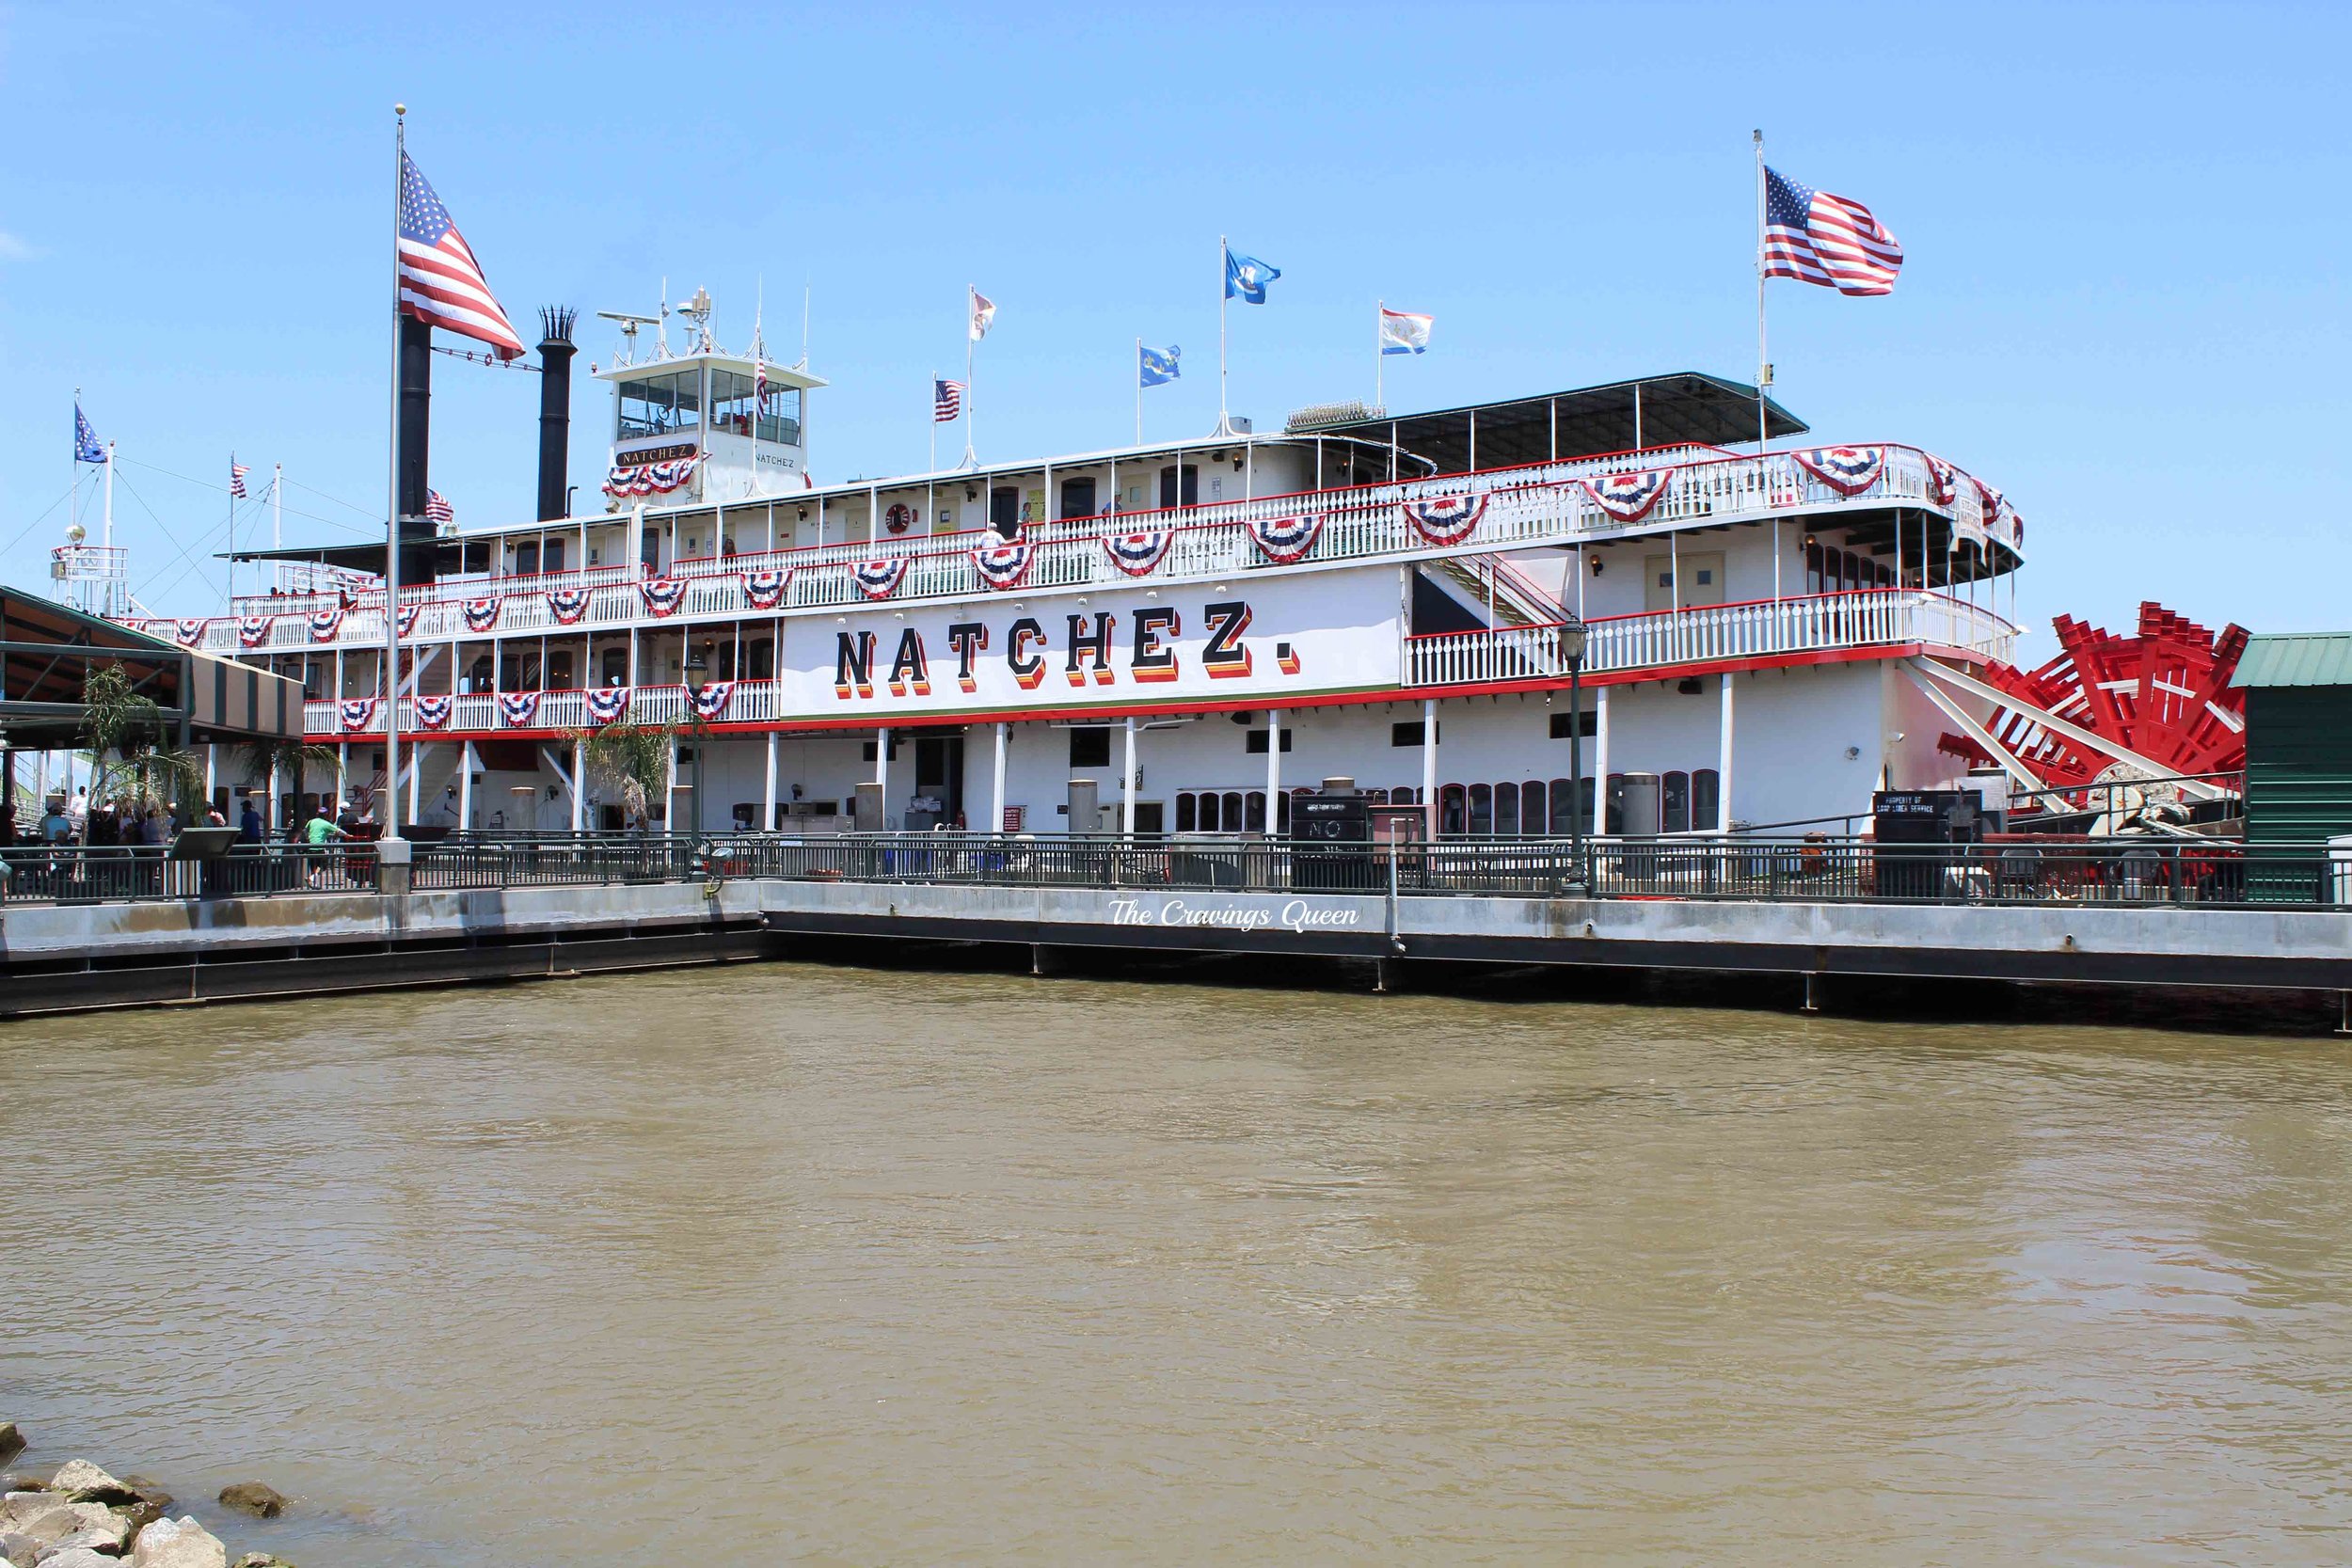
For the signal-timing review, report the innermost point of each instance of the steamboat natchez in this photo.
(1166, 637)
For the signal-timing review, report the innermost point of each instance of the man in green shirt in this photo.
(316, 833)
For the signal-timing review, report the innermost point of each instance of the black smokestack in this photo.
(555, 407)
(416, 413)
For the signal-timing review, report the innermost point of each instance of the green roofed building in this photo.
(2298, 736)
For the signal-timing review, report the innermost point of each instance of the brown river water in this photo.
(797, 1263)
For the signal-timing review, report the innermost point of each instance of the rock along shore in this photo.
(81, 1517)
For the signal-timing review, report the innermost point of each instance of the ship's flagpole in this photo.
(1224, 269)
(1138, 392)
(932, 465)
(392, 518)
(971, 453)
(1379, 358)
(1763, 364)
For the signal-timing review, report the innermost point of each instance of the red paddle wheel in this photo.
(2163, 693)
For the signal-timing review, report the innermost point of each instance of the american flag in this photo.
(1815, 237)
(436, 507)
(440, 282)
(236, 478)
(947, 401)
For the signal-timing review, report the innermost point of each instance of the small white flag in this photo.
(1403, 332)
(983, 313)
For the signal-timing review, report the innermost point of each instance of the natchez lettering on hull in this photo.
(1277, 637)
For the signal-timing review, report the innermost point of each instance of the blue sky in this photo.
(2126, 224)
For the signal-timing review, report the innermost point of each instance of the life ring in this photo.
(899, 518)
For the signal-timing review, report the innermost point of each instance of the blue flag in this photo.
(1246, 277)
(1154, 368)
(86, 447)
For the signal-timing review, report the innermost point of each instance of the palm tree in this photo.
(633, 758)
(123, 731)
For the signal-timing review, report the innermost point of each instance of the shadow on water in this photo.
(1904, 1000)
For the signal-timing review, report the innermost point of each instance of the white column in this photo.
(343, 771)
(996, 788)
(1429, 763)
(1127, 783)
(1273, 767)
(767, 797)
(416, 773)
(465, 786)
(1600, 760)
(1722, 767)
(212, 769)
(882, 771)
(669, 793)
(579, 782)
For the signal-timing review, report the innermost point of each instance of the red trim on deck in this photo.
(1365, 697)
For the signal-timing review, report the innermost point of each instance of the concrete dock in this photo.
(75, 957)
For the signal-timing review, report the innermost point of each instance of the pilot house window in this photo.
(660, 404)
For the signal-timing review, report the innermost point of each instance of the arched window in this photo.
(1562, 821)
(1450, 815)
(1532, 818)
(1815, 581)
(1675, 804)
(1253, 818)
(1482, 811)
(1507, 810)
(1616, 814)
(1187, 812)
(1228, 811)
(1706, 806)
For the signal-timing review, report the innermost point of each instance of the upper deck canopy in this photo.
(1590, 421)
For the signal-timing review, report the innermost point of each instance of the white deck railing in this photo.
(1663, 640)
(1526, 507)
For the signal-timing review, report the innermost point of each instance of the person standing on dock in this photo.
(316, 833)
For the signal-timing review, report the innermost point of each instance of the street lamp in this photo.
(697, 663)
(1573, 634)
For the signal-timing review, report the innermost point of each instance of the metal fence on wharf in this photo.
(2187, 872)
(2199, 873)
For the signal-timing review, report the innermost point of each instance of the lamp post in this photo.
(697, 663)
(1572, 637)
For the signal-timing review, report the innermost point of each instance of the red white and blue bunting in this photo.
(188, 633)
(408, 618)
(1943, 479)
(662, 596)
(711, 702)
(1848, 471)
(1284, 540)
(650, 479)
(764, 589)
(253, 630)
(1004, 566)
(432, 713)
(878, 579)
(568, 605)
(481, 614)
(326, 623)
(519, 708)
(1629, 497)
(606, 703)
(358, 713)
(1138, 554)
(1446, 521)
